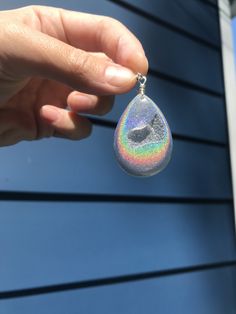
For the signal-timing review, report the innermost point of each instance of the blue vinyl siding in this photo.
(77, 235)
(96, 240)
(89, 166)
(190, 17)
(197, 293)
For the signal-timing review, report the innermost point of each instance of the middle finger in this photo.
(90, 104)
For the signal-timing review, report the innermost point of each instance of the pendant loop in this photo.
(142, 79)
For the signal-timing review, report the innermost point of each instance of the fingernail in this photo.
(118, 75)
(51, 114)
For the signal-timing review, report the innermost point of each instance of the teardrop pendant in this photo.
(143, 141)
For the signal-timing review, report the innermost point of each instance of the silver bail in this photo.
(142, 83)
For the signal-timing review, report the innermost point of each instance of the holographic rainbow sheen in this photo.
(147, 158)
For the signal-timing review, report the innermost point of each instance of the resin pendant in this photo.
(143, 141)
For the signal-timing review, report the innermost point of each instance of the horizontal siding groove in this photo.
(111, 281)
(199, 141)
(112, 124)
(79, 197)
(213, 5)
(184, 83)
(166, 24)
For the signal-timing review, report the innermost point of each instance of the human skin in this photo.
(52, 59)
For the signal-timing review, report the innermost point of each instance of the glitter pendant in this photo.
(143, 141)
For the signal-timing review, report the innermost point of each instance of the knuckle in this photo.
(32, 7)
(117, 39)
(108, 22)
(9, 31)
(79, 63)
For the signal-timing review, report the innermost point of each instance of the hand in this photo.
(52, 58)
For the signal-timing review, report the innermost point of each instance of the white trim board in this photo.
(230, 84)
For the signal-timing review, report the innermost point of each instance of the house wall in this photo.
(78, 235)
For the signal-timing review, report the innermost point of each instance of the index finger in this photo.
(95, 33)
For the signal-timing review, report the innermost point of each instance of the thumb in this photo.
(38, 54)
